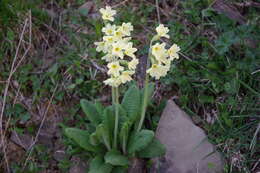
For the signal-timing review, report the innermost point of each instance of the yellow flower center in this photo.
(110, 39)
(114, 66)
(154, 66)
(109, 31)
(117, 49)
(156, 48)
(118, 33)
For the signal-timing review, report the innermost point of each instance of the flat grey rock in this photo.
(188, 150)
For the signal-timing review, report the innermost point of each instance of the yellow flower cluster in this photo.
(119, 51)
(161, 57)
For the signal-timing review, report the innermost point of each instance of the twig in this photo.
(38, 132)
(55, 32)
(158, 11)
(12, 71)
(119, 4)
(248, 4)
(255, 71)
(94, 64)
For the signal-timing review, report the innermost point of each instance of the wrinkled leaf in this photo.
(131, 102)
(97, 165)
(90, 110)
(120, 169)
(115, 158)
(140, 140)
(81, 137)
(154, 149)
(123, 134)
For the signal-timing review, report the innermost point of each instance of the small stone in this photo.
(188, 150)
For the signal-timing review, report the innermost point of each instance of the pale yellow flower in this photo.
(117, 49)
(113, 81)
(162, 31)
(130, 50)
(107, 13)
(159, 51)
(109, 39)
(118, 34)
(133, 63)
(108, 57)
(109, 29)
(157, 71)
(173, 51)
(126, 28)
(100, 46)
(126, 76)
(114, 68)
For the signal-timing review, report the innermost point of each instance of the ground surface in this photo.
(48, 63)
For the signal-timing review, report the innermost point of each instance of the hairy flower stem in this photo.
(113, 95)
(145, 101)
(116, 117)
(145, 98)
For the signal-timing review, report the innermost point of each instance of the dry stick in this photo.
(158, 12)
(13, 69)
(38, 132)
(119, 4)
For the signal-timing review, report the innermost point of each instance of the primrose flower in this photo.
(107, 13)
(117, 49)
(108, 57)
(109, 39)
(173, 51)
(130, 50)
(162, 31)
(158, 50)
(118, 34)
(100, 46)
(116, 44)
(109, 29)
(114, 68)
(126, 28)
(157, 71)
(132, 64)
(113, 81)
(126, 76)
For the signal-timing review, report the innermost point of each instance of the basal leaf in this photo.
(154, 149)
(120, 169)
(91, 112)
(115, 158)
(123, 135)
(97, 165)
(132, 102)
(140, 140)
(81, 137)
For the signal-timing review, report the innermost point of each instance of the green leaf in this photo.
(103, 135)
(120, 169)
(94, 139)
(115, 158)
(154, 149)
(132, 102)
(123, 135)
(90, 110)
(99, 107)
(150, 91)
(109, 120)
(140, 140)
(81, 137)
(97, 165)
